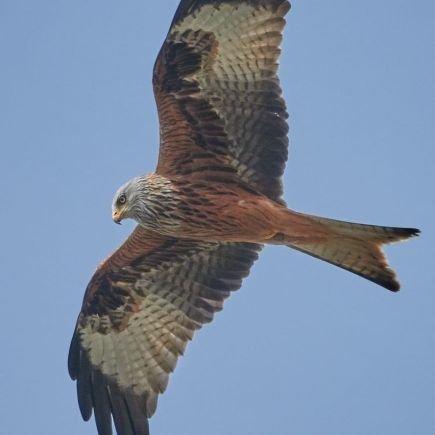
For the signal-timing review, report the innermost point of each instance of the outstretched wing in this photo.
(218, 93)
(140, 309)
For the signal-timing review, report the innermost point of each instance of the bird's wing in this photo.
(218, 93)
(140, 309)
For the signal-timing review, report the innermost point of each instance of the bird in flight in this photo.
(203, 216)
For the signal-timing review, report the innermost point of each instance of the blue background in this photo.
(304, 348)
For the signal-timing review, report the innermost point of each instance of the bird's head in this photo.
(125, 201)
(144, 199)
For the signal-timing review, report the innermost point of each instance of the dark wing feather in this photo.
(218, 93)
(140, 309)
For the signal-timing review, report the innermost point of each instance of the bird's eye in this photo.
(122, 199)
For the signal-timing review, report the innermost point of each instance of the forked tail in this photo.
(354, 247)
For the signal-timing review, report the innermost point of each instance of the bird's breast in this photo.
(213, 212)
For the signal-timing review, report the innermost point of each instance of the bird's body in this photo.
(216, 210)
(222, 209)
(203, 216)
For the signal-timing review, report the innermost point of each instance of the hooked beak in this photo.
(118, 215)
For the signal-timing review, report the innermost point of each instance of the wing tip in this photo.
(74, 357)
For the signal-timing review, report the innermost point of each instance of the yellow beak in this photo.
(118, 215)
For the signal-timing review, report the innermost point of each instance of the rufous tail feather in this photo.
(351, 246)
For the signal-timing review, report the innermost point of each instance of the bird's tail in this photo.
(351, 246)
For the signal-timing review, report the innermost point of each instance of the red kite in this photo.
(213, 201)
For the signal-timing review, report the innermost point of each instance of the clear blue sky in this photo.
(304, 348)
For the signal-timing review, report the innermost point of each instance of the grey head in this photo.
(143, 199)
(127, 200)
